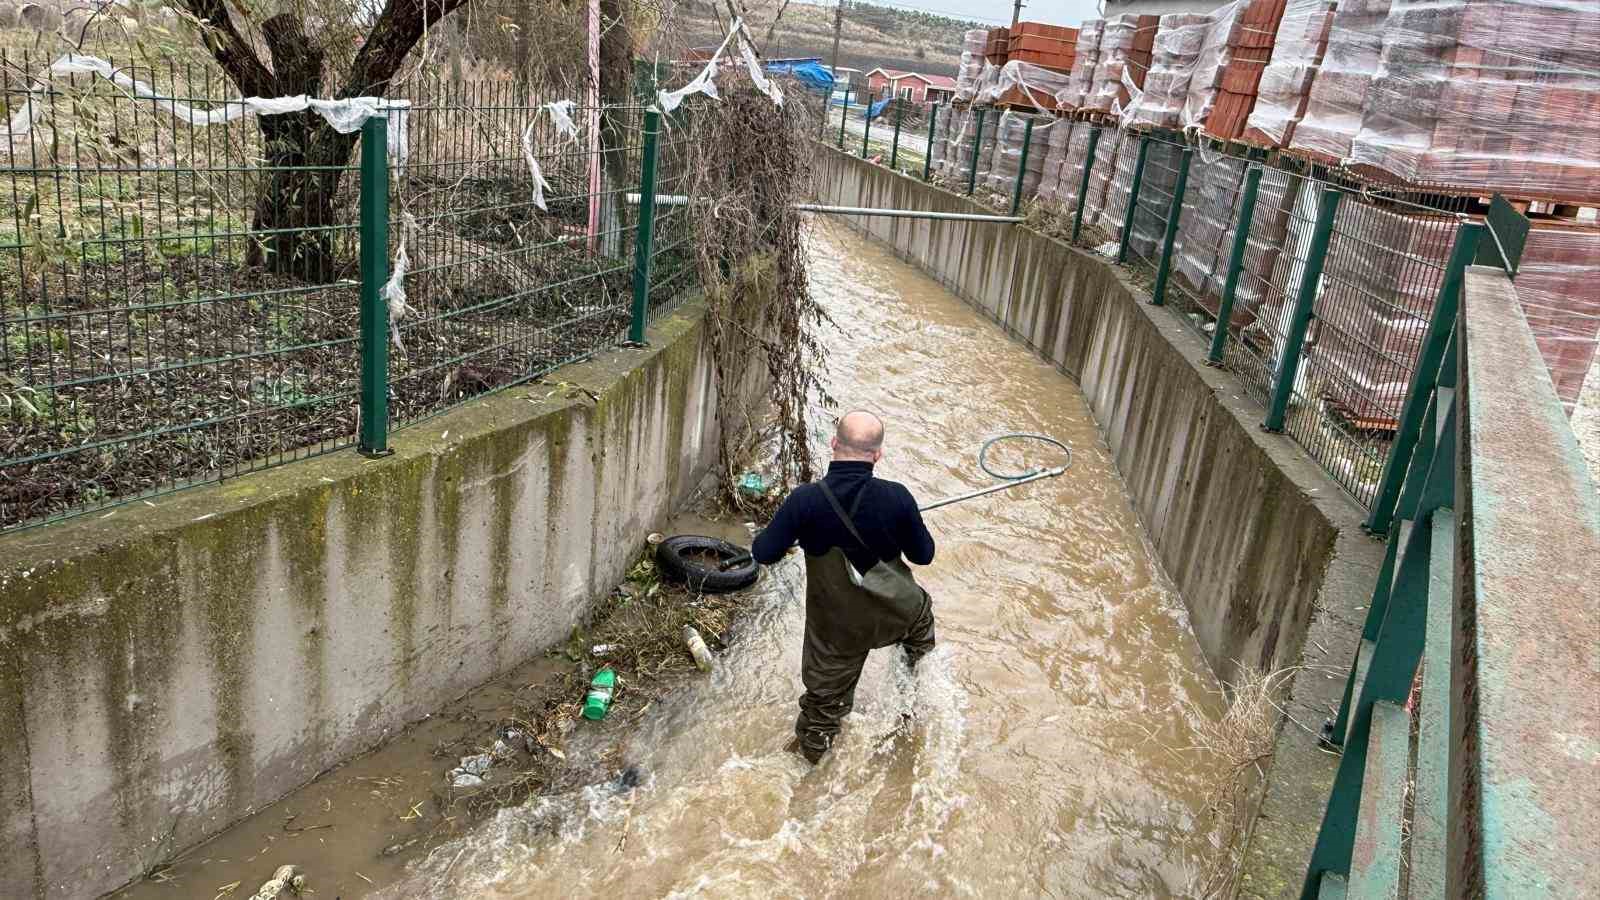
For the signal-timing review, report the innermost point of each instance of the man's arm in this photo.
(779, 535)
(916, 542)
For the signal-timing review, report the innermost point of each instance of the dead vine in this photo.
(747, 165)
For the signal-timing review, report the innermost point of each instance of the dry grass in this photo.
(1232, 750)
(642, 620)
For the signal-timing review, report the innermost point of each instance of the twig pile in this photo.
(748, 165)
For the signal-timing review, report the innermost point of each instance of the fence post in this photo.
(1440, 325)
(866, 131)
(1241, 239)
(1294, 340)
(894, 148)
(1022, 167)
(1133, 199)
(1158, 293)
(1083, 188)
(927, 153)
(374, 437)
(644, 242)
(977, 141)
(844, 114)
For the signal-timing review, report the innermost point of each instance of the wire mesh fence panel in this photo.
(1110, 180)
(1202, 248)
(673, 273)
(1153, 205)
(177, 301)
(515, 219)
(1275, 254)
(1386, 260)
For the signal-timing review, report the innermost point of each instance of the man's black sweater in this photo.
(887, 518)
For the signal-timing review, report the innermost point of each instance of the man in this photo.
(850, 521)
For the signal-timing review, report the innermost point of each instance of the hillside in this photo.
(872, 35)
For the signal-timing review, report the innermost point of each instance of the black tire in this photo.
(682, 559)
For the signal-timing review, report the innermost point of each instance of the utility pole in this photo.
(1016, 13)
(838, 24)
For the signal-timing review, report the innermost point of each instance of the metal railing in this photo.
(1458, 776)
(182, 303)
(1323, 285)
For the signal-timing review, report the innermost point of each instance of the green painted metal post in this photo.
(1241, 240)
(1158, 293)
(1440, 325)
(374, 204)
(1133, 199)
(927, 159)
(1022, 167)
(866, 131)
(1083, 188)
(644, 242)
(844, 114)
(894, 147)
(1295, 339)
(977, 141)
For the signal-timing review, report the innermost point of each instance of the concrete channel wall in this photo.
(165, 671)
(1266, 550)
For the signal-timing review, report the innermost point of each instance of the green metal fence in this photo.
(1325, 284)
(182, 304)
(1457, 776)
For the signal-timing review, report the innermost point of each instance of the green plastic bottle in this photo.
(601, 689)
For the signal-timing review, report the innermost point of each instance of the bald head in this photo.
(859, 436)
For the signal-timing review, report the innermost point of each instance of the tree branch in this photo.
(393, 35)
(229, 47)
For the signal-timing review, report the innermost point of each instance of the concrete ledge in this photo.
(165, 671)
(1266, 550)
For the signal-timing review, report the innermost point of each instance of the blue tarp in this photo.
(810, 73)
(876, 109)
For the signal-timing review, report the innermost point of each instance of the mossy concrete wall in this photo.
(1265, 549)
(165, 671)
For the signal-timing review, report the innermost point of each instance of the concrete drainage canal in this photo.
(1058, 745)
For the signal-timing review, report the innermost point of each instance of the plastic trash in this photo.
(465, 780)
(502, 751)
(603, 649)
(751, 484)
(472, 772)
(602, 689)
(476, 765)
(286, 878)
(697, 648)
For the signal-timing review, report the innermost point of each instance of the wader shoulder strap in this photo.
(844, 516)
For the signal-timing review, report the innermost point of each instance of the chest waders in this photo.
(849, 614)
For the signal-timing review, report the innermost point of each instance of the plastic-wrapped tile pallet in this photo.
(1110, 181)
(1125, 50)
(1495, 95)
(1558, 284)
(1249, 47)
(1055, 159)
(1205, 230)
(1085, 59)
(1339, 92)
(1178, 42)
(1072, 165)
(1286, 82)
(1009, 135)
(973, 43)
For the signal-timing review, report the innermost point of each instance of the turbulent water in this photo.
(1050, 751)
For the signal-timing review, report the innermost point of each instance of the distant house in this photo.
(912, 86)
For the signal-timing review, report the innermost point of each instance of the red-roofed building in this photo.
(911, 86)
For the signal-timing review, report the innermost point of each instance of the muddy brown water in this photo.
(1050, 750)
(1048, 753)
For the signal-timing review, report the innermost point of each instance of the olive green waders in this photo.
(845, 622)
